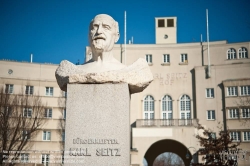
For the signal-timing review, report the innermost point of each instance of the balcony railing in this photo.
(164, 122)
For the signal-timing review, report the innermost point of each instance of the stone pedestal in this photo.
(97, 125)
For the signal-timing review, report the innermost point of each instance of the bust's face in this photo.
(103, 33)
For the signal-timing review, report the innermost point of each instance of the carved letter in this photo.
(118, 152)
(98, 152)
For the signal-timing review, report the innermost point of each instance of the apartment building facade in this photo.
(186, 87)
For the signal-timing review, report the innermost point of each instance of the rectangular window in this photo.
(149, 58)
(245, 90)
(213, 135)
(170, 115)
(45, 159)
(232, 91)
(25, 135)
(166, 58)
(170, 22)
(184, 58)
(151, 115)
(211, 115)
(164, 116)
(6, 111)
(49, 91)
(246, 113)
(46, 135)
(29, 90)
(9, 88)
(233, 113)
(65, 94)
(48, 113)
(246, 135)
(24, 157)
(235, 135)
(210, 92)
(27, 112)
(161, 23)
(63, 136)
(64, 113)
(182, 115)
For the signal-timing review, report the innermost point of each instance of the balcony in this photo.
(164, 122)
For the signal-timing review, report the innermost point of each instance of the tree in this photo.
(61, 123)
(168, 159)
(21, 117)
(243, 104)
(216, 150)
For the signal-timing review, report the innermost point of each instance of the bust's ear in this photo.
(117, 36)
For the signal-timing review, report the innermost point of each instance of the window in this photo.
(27, 112)
(167, 107)
(9, 88)
(184, 58)
(232, 91)
(213, 135)
(24, 157)
(246, 135)
(246, 113)
(64, 113)
(235, 135)
(49, 91)
(243, 52)
(29, 90)
(166, 58)
(149, 107)
(170, 22)
(149, 58)
(185, 103)
(231, 53)
(161, 23)
(64, 94)
(245, 90)
(45, 159)
(46, 135)
(233, 113)
(6, 111)
(210, 92)
(25, 135)
(211, 115)
(48, 113)
(63, 136)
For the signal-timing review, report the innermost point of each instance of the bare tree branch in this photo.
(21, 117)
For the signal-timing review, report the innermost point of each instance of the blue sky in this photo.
(54, 30)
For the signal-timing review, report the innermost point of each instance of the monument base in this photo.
(97, 125)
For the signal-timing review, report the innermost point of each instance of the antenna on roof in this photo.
(208, 53)
(125, 40)
(31, 58)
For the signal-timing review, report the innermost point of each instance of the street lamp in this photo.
(188, 155)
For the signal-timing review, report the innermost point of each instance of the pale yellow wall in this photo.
(174, 79)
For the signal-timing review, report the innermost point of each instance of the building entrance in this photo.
(167, 145)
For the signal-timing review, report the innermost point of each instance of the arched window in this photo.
(149, 107)
(243, 52)
(185, 106)
(167, 107)
(231, 53)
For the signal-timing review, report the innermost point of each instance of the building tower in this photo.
(165, 30)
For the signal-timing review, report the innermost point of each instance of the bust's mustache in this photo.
(99, 37)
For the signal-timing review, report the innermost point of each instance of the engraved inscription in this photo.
(170, 78)
(108, 152)
(79, 152)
